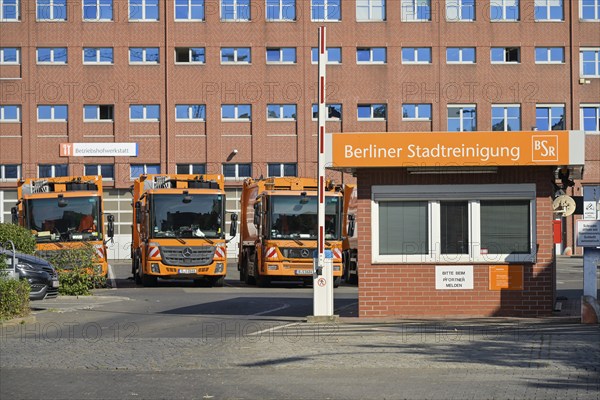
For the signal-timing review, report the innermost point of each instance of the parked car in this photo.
(40, 274)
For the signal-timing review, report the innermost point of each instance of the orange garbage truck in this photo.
(278, 229)
(178, 228)
(65, 213)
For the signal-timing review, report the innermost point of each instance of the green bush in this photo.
(22, 238)
(14, 298)
(76, 271)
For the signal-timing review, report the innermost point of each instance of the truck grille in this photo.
(187, 255)
(297, 252)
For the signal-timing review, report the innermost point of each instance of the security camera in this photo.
(235, 151)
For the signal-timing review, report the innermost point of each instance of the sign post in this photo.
(323, 271)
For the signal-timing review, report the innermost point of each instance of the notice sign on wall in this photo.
(98, 149)
(453, 277)
(506, 277)
(588, 233)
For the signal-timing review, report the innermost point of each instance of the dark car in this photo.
(40, 274)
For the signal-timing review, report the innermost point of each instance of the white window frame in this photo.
(18, 54)
(281, 60)
(145, 165)
(17, 17)
(547, 4)
(549, 106)
(281, 13)
(99, 171)
(462, 116)
(189, 49)
(409, 10)
(597, 107)
(51, 17)
(282, 169)
(145, 61)
(329, 62)
(504, 54)
(417, 117)
(416, 56)
(371, 61)
(190, 168)
(143, 18)
(145, 112)
(235, 56)
(236, 12)
(98, 119)
(596, 50)
(237, 171)
(372, 107)
(505, 117)
(52, 112)
(52, 61)
(505, 4)
(3, 177)
(236, 118)
(282, 118)
(189, 12)
(98, 13)
(190, 117)
(458, 5)
(596, 11)
(326, 13)
(549, 53)
(53, 169)
(97, 62)
(460, 55)
(328, 118)
(11, 121)
(433, 195)
(372, 5)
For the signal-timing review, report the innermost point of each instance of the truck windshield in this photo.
(172, 215)
(295, 217)
(67, 220)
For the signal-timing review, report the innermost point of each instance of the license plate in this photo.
(303, 272)
(187, 271)
(54, 284)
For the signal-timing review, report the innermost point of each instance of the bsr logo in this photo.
(545, 148)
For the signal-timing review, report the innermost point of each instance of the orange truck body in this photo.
(178, 228)
(64, 213)
(278, 230)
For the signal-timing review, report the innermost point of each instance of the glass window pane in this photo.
(403, 228)
(11, 171)
(244, 170)
(181, 111)
(289, 111)
(153, 169)
(228, 111)
(274, 169)
(243, 54)
(107, 171)
(363, 55)
(229, 170)
(44, 112)
(453, 54)
(505, 226)
(106, 55)
(379, 111)
(90, 112)
(379, 54)
(289, 170)
(364, 111)
(424, 54)
(454, 227)
(273, 55)
(45, 171)
(60, 112)
(61, 170)
(152, 112)
(198, 169)
(244, 111)
(408, 54)
(273, 111)
(289, 54)
(409, 111)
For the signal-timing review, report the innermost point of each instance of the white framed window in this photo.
(550, 117)
(235, 10)
(237, 171)
(52, 170)
(505, 55)
(135, 170)
(235, 55)
(549, 55)
(51, 10)
(281, 112)
(107, 171)
(98, 55)
(191, 169)
(589, 117)
(415, 10)
(10, 55)
(325, 10)
(98, 113)
(144, 113)
(506, 117)
(334, 55)
(281, 55)
(416, 55)
(10, 10)
(10, 113)
(52, 113)
(372, 112)
(334, 112)
(371, 55)
(548, 10)
(236, 112)
(460, 10)
(589, 10)
(189, 10)
(144, 55)
(589, 59)
(460, 55)
(190, 55)
(282, 169)
(10, 172)
(51, 55)
(97, 10)
(453, 223)
(370, 10)
(190, 112)
(462, 117)
(416, 112)
(504, 10)
(143, 10)
(281, 10)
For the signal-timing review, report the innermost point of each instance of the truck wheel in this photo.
(336, 281)
(352, 279)
(149, 280)
(217, 281)
(136, 270)
(243, 269)
(251, 280)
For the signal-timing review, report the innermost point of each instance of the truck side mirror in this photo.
(256, 214)
(351, 225)
(138, 212)
(111, 226)
(15, 215)
(233, 227)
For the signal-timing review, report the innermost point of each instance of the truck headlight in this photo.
(219, 268)
(155, 268)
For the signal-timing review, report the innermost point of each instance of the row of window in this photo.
(460, 117)
(321, 10)
(11, 172)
